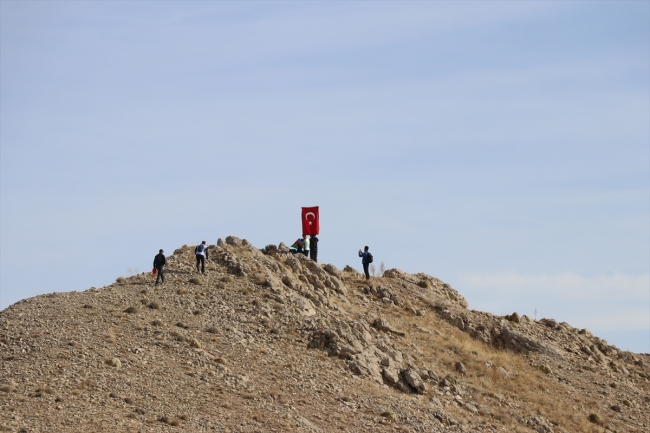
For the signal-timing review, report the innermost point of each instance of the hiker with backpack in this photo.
(201, 252)
(366, 259)
(158, 263)
(313, 248)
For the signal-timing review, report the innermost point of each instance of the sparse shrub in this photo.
(212, 330)
(120, 280)
(154, 305)
(43, 390)
(114, 362)
(178, 336)
(388, 415)
(195, 343)
(182, 291)
(382, 269)
(451, 379)
(110, 337)
(157, 323)
(196, 281)
(424, 284)
(545, 369)
(373, 271)
(184, 417)
(595, 419)
(132, 310)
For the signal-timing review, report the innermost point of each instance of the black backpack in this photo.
(369, 257)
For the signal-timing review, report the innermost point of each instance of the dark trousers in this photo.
(313, 254)
(159, 274)
(306, 252)
(365, 270)
(200, 260)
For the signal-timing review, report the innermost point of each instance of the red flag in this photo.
(310, 221)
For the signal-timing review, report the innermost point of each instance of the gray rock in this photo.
(233, 240)
(391, 375)
(551, 323)
(413, 378)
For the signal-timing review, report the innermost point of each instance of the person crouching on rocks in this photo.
(296, 248)
(201, 252)
(313, 248)
(158, 263)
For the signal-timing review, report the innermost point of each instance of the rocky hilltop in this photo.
(268, 341)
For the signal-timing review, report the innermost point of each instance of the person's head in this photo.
(365, 248)
(304, 236)
(203, 242)
(313, 235)
(160, 251)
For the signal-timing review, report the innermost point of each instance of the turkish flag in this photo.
(310, 221)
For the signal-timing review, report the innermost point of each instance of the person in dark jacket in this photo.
(313, 248)
(365, 260)
(158, 263)
(201, 252)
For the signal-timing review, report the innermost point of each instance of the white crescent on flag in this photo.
(313, 216)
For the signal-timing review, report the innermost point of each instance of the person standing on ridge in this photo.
(313, 251)
(201, 252)
(158, 263)
(366, 259)
(306, 245)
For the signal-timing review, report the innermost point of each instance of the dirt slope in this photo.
(269, 341)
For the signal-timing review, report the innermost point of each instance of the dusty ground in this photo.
(267, 341)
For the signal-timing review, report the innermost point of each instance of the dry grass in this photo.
(529, 386)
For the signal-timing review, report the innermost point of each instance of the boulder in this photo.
(413, 379)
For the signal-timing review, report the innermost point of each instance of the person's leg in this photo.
(157, 275)
(203, 264)
(198, 262)
(365, 271)
(307, 253)
(315, 256)
(162, 275)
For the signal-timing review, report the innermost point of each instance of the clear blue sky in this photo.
(500, 146)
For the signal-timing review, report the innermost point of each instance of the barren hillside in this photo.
(267, 341)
